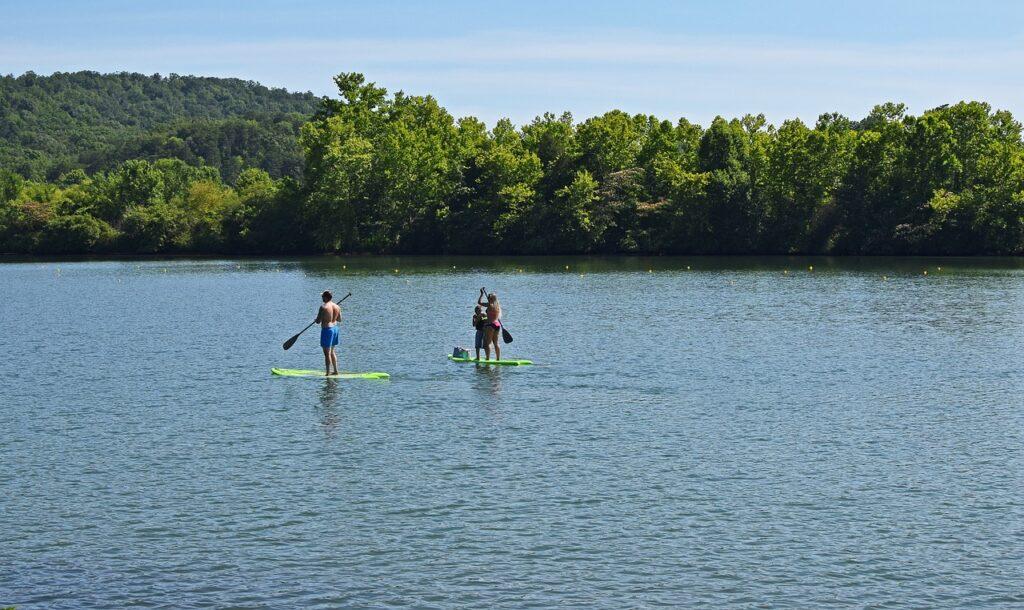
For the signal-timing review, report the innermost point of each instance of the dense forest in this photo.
(50, 125)
(382, 172)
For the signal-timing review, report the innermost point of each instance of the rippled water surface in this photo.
(726, 432)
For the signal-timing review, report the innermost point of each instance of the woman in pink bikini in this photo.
(493, 326)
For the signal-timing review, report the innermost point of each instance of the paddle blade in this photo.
(505, 335)
(291, 342)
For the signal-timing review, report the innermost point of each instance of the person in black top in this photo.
(479, 320)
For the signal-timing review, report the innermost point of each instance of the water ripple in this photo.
(722, 436)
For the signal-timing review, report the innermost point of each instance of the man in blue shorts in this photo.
(328, 317)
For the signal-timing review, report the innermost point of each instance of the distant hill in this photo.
(52, 124)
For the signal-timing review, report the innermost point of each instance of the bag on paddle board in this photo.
(460, 352)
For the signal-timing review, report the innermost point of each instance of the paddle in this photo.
(505, 335)
(291, 342)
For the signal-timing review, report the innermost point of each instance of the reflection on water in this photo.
(487, 379)
(328, 409)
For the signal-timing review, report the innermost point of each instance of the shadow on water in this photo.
(330, 417)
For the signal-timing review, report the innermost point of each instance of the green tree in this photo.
(10, 185)
(384, 170)
(503, 192)
(178, 177)
(338, 167)
(206, 205)
(609, 143)
(553, 140)
(76, 234)
(724, 153)
(267, 217)
(871, 201)
(574, 228)
(159, 227)
(136, 183)
(682, 222)
(416, 173)
(804, 167)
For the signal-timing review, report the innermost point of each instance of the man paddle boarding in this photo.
(328, 317)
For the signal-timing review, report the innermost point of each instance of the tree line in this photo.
(397, 173)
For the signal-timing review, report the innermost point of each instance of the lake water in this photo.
(722, 432)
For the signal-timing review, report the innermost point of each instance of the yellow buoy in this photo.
(926, 272)
(940, 268)
(567, 267)
(344, 266)
(811, 268)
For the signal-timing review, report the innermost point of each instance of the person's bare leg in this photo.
(334, 360)
(487, 343)
(327, 361)
(497, 346)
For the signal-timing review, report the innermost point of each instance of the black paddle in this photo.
(505, 335)
(291, 342)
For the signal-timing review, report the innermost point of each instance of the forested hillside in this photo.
(387, 172)
(85, 120)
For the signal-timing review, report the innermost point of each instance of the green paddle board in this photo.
(508, 362)
(320, 374)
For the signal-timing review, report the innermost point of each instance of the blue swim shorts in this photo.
(479, 341)
(329, 336)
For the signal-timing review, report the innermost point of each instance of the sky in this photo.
(519, 59)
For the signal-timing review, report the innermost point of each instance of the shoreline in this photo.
(1009, 261)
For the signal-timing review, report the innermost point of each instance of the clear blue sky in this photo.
(695, 59)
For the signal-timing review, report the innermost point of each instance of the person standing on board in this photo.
(493, 326)
(328, 317)
(479, 319)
